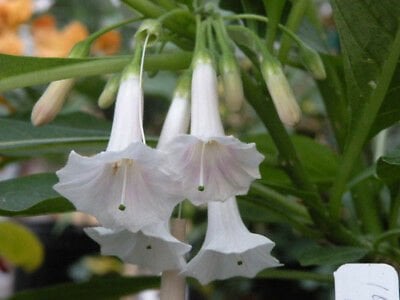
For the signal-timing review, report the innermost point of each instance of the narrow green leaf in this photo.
(21, 71)
(20, 246)
(21, 138)
(99, 289)
(31, 195)
(331, 256)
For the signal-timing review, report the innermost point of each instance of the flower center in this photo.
(125, 164)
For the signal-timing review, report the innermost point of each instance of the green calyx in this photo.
(150, 29)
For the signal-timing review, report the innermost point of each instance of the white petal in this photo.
(96, 185)
(176, 122)
(153, 247)
(229, 166)
(205, 118)
(229, 249)
(128, 112)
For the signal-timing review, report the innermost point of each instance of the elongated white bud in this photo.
(281, 92)
(233, 87)
(109, 93)
(51, 102)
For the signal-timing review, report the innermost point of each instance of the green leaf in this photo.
(388, 168)
(367, 29)
(99, 289)
(21, 71)
(331, 255)
(21, 138)
(31, 195)
(319, 161)
(20, 246)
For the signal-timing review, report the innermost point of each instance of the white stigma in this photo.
(141, 87)
(125, 164)
(201, 177)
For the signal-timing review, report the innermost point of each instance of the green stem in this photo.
(291, 163)
(99, 33)
(210, 40)
(362, 128)
(296, 275)
(183, 25)
(290, 34)
(290, 207)
(145, 7)
(274, 11)
(394, 212)
(294, 19)
(385, 236)
(83, 67)
(223, 39)
(167, 4)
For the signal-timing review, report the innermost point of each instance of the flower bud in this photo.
(312, 61)
(150, 28)
(51, 102)
(177, 120)
(280, 91)
(109, 92)
(233, 87)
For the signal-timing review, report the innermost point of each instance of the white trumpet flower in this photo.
(210, 165)
(152, 247)
(229, 249)
(125, 186)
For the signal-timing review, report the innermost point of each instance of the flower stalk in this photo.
(173, 284)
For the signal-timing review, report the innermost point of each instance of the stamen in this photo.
(125, 165)
(201, 177)
(141, 87)
(240, 262)
(115, 167)
(148, 247)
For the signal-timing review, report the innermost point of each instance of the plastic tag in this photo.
(366, 282)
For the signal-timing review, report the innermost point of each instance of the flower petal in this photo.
(229, 249)
(153, 247)
(224, 166)
(133, 177)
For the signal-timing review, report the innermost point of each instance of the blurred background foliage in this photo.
(41, 241)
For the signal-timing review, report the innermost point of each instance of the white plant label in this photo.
(366, 282)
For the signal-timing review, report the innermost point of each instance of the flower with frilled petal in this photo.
(210, 165)
(125, 186)
(229, 249)
(152, 247)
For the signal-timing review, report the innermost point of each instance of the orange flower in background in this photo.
(14, 12)
(10, 43)
(53, 42)
(109, 43)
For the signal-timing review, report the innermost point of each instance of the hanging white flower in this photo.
(210, 165)
(152, 247)
(229, 249)
(125, 186)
